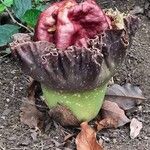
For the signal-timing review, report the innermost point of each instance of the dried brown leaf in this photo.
(63, 115)
(86, 139)
(31, 116)
(113, 111)
(106, 123)
(135, 128)
(34, 88)
(126, 96)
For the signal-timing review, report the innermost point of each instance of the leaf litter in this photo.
(118, 99)
(86, 139)
(135, 128)
(112, 116)
(30, 115)
(127, 96)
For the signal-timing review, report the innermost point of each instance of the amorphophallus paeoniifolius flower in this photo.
(76, 49)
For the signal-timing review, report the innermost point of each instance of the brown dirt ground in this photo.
(136, 69)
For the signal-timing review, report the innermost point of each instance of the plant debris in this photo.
(127, 96)
(113, 115)
(69, 136)
(86, 139)
(31, 116)
(135, 128)
(63, 115)
(106, 123)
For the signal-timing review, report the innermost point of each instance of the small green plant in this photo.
(19, 16)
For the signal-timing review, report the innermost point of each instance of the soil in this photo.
(136, 69)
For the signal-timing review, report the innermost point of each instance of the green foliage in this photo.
(26, 12)
(8, 3)
(6, 31)
(21, 6)
(2, 8)
(41, 7)
(31, 17)
(37, 1)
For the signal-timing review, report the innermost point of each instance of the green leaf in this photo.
(31, 17)
(8, 3)
(21, 6)
(2, 8)
(41, 7)
(38, 1)
(6, 31)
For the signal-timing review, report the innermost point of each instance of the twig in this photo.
(14, 20)
(2, 148)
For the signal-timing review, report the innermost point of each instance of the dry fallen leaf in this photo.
(135, 128)
(86, 139)
(126, 96)
(63, 115)
(113, 114)
(31, 116)
(106, 123)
